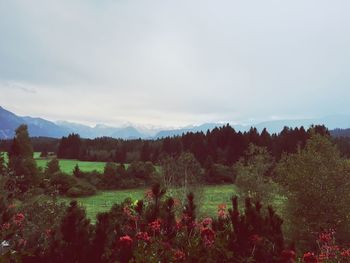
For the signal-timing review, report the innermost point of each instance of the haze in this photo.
(174, 63)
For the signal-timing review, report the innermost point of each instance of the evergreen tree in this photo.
(72, 241)
(52, 166)
(77, 171)
(21, 161)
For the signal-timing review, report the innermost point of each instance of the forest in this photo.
(304, 168)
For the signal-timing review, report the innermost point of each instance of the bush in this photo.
(62, 182)
(218, 173)
(317, 182)
(82, 188)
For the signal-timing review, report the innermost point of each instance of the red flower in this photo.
(155, 225)
(222, 211)
(143, 236)
(288, 255)
(125, 241)
(18, 219)
(207, 222)
(345, 253)
(179, 256)
(325, 237)
(208, 236)
(310, 257)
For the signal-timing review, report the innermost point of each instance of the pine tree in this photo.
(21, 161)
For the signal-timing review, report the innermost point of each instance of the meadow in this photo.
(68, 165)
(212, 196)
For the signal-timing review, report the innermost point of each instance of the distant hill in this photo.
(178, 132)
(37, 126)
(101, 130)
(340, 133)
(41, 127)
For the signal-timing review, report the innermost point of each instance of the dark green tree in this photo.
(76, 171)
(52, 167)
(73, 239)
(21, 161)
(317, 182)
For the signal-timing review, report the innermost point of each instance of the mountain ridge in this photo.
(39, 127)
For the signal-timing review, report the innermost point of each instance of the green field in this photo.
(67, 166)
(212, 197)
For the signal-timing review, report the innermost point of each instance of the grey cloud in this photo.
(177, 61)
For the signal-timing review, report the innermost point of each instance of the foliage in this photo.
(52, 166)
(70, 147)
(254, 174)
(328, 251)
(219, 173)
(150, 229)
(316, 181)
(71, 241)
(21, 161)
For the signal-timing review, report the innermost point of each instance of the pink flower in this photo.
(310, 257)
(207, 222)
(208, 236)
(143, 236)
(222, 211)
(288, 255)
(345, 253)
(125, 241)
(18, 218)
(155, 225)
(179, 256)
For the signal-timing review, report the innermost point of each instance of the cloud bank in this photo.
(174, 62)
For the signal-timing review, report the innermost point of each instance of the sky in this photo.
(174, 63)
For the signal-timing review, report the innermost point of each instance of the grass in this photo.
(67, 166)
(103, 201)
(212, 196)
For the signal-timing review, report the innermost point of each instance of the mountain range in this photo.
(40, 127)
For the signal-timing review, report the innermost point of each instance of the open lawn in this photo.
(67, 166)
(103, 201)
(212, 196)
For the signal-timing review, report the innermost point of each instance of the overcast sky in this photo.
(176, 62)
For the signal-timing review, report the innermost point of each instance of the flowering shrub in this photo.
(328, 250)
(152, 231)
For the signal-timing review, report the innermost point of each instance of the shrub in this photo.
(82, 188)
(316, 181)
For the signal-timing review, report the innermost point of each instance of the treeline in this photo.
(222, 145)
